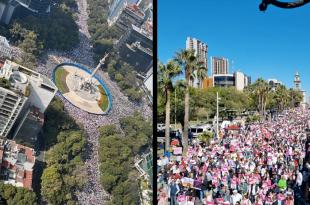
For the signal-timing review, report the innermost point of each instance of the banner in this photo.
(177, 150)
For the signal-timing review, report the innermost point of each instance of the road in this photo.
(93, 193)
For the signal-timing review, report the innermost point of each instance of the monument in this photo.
(82, 87)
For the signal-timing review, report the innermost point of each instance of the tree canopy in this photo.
(117, 152)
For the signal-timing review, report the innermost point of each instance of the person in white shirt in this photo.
(236, 197)
(299, 179)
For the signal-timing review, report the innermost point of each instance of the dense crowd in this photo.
(263, 163)
(93, 192)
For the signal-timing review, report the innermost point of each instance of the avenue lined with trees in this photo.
(65, 141)
(200, 104)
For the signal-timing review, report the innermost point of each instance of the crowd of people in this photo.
(92, 193)
(262, 163)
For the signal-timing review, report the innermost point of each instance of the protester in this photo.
(92, 193)
(258, 165)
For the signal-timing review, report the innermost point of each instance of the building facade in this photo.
(219, 65)
(131, 14)
(5, 48)
(297, 83)
(238, 80)
(274, 83)
(37, 7)
(224, 80)
(136, 48)
(116, 9)
(24, 97)
(200, 48)
(201, 53)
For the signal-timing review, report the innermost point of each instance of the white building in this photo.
(274, 83)
(238, 80)
(5, 48)
(297, 83)
(25, 89)
(201, 52)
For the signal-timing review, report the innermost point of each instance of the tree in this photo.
(187, 61)
(259, 92)
(16, 195)
(201, 74)
(52, 185)
(165, 75)
(295, 97)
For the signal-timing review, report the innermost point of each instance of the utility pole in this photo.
(217, 115)
(175, 108)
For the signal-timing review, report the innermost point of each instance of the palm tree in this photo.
(201, 74)
(260, 89)
(281, 97)
(187, 60)
(165, 75)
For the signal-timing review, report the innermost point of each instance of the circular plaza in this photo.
(82, 88)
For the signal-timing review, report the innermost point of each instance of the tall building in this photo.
(116, 9)
(37, 7)
(131, 14)
(219, 65)
(24, 97)
(136, 47)
(201, 52)
(200, 48)
(5, 48)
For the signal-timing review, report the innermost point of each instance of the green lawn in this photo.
(104, 100)
(60, 80)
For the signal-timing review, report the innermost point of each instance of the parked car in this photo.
(199, 129)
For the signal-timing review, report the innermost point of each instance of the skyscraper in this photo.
(24, 96)
(200, 48)
(219, 65)
(201, 52)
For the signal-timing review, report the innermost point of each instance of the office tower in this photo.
(219, 65)
(24, 97)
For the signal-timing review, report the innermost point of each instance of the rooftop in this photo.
(17, 163)
(20, 77)
(135, 9)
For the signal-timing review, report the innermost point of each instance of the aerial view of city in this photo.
(233, 112)
(76, 102)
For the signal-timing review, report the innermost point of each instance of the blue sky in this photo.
(271, 44)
